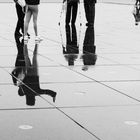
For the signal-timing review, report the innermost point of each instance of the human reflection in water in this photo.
(25, 75)
(72, 49)
(89, 57)
(19, 70)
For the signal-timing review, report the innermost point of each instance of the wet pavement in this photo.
(94, 72)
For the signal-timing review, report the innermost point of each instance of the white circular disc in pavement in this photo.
(25, 127)
(131, 123)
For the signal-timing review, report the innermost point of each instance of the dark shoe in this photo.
(52, 94)
(28, 35)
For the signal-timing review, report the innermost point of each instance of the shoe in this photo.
(37, 42)
(25, 38)
(52, 94)
(28, 35)
(38, 38)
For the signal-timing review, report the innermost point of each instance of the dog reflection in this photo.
(89, 57)
(71, 50)
(25, 74)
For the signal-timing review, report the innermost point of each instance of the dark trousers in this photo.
(71, 44)
(89, 6)
(71, 12)
(89, 48)
(89, 40)
(20, 22)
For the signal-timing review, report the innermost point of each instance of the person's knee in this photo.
(35, 22)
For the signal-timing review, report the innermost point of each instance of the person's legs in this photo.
(89, 6)
(68, 35)
(35, 15)
(27, 20)
(86, 7)
(20, 22)
(68, 13)
(92, 12)
(74, 12)
(74, 37)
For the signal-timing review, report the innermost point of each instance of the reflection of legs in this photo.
(74, 12)
(68, 35)
(51, 93)
(74, 36)
(27, 20)
(89, 40)
(34, 61)
(26, 56)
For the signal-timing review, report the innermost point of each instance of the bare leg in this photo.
(27, 20)
(35, 15)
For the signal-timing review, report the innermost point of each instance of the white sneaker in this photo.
(38, 38)
(25, 38)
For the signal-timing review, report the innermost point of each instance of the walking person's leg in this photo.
(20, 22)
(91, 13)
(35, 15)
(74, 12)
(86, 7)
(27, 20)
(68, 13)
(89, 6)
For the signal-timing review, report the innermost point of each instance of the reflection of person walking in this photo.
(32, 10)
(71, 13)
(89, 49)
(89, 6)
(31, 86)
(72, 48)
(20, 22)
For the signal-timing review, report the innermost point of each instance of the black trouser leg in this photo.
(92, 13)
(74, 12)
(68, 35)
(74, 35)
(20, 22)
(89, 7)
(89, 39)
(68, 13)
(86, 7)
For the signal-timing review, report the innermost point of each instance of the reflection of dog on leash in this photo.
(136, 12)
